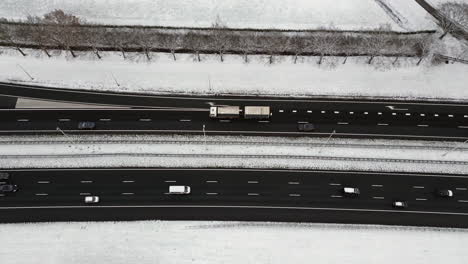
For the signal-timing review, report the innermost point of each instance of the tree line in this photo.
(59, 30)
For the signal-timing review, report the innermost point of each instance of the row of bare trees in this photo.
(454, 12)
(58, 30)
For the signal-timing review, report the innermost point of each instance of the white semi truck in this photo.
(234, 112)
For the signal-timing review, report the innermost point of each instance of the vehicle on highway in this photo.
(179, 189)
(234, 112)
(445, 193)
(305, 127)
(8, 188)
(400, 204)
(351, 191)
(91, 199)
(86, 125)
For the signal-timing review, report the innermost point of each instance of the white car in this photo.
(91, 199)
(179, 189)
(351, 191)
(400, 204)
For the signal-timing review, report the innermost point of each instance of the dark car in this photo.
(86, 125)
(444, 193)
(4, 176)
(306, 127)
(400, 204)
(8, 188)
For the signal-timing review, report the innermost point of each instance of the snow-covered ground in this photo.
(281, 14)
(186, 75)
(244, 152)
(228, 242)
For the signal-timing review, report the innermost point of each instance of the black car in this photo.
(306, 127)
(8, 188)
(444, 193)
(86, 125)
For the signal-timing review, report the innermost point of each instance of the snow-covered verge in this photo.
(283, 77)
(279, 14)
(228, 242)
(250, 152)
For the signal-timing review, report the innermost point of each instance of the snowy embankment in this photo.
(260, 14)
(248, 152)
(229, 242)
(356, 78)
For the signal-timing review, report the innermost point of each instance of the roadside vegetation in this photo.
(60, 31)
(455, 13)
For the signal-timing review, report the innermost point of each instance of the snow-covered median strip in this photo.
(210, 76)
(181, 242)
(250, 152)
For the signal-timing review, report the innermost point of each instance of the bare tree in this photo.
(62, 29)
(38, 33)
(172, 41)
(194, 41)
(118, 39)
(248, 44)
(298, 45)
(220, 37)
(423, 48)
(326, 45)
(374, 45)
(453, 13)
(6, 35)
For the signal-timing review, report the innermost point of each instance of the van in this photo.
(179, 189)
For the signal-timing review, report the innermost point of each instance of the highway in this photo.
(204, 101)
(394, 124)
(235, 194)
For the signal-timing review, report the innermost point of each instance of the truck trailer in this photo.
(233, 112)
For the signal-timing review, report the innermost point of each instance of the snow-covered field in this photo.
(281, 14)
(186, 75)
(153, 151)
(228, 242)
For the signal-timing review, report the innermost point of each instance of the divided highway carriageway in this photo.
(235, 194)
(402, 124)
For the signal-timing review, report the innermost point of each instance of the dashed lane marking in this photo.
(294, 195)
(378, 197)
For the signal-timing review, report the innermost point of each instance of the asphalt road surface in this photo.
(396, 124)
(235, 194)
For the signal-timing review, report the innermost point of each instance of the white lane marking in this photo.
(382, 124)
(86, 181)
(394, 114)
(463, 201)
(128, 193)
(343, 123)
(422, 114)
(302, 122)
(105, 119)
(294, 111)
(351, 113)
(85, 193)
(378, 197)
(263, 121)
(309, 111)
(41, 194)
(462, 126)
(145, 119)
(366, 113)
(294, 195)
(294, 183)
(336, 112)
(225, 121)
(64, 119)
(128, 181)
(407, 114)
(185, 120)
(253, 194)
(1, 194)
(238, 207)
(323, 112)
(23, 120)
(336, 196)
(379, 113)
(211, 193)
(281, 111)
(436, 115)
(418, 187)
(465, 116)
(423, 125)
(450, 115)
(211, 181)
(421, 199)
(170, 181)
(461, 189)
(377, 185)
(335, 184)
(252, 181)
(43, 182)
